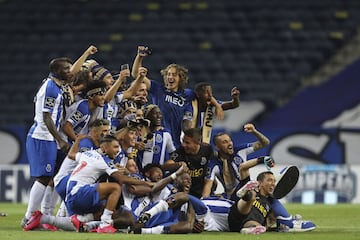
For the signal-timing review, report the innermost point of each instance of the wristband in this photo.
(173, 176)
(260, 160)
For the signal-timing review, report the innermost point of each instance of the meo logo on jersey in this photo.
(49, 102)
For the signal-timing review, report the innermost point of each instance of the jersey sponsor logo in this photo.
(261, 208)
(179, 101)
(196, 172)
(77, 116)
(49, 102)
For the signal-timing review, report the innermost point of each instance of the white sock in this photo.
(93, 224)
(63, 223)
(106, 218)
(36, 195)
(153, 230)
(86, 217)
(161, 206)
(49, 201)
(62, 211)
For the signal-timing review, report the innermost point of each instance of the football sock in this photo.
(106, 218)
(36, 195)
(62, 212)
(93, 224)
(49, 201)
(153, 230)
(86, 217)
(63, 223)
(279, 209)
(161, 206)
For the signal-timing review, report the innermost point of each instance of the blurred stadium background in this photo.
(296, 64)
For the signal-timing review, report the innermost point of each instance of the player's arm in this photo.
(131, 91)
(75, 147)
(110, 94)
(172, 165)
(75, 68)
(125, 179)
(218, 109)
(235, 102)
(262, 141)
(138, 63)
(207, 187)
(159, 185)
(64, 146)
(139, 190)
(68, 129)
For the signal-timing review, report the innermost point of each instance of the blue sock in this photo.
(281, 214)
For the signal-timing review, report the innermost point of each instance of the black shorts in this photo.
(235, 219)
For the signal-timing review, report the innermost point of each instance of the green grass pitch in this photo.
(338, 222)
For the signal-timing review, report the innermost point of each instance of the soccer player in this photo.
(44, 136)
(249, 214)
(210, 214)
(82, 183)
(79, 114)
(231, 165)
(195, 156)
(232, 169)
(98, 129)
(159, 146)
(200, 112)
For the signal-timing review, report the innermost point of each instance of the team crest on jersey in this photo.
(156, 149)
(203, 161)
(77, 116)
(188, 115)
(237, 160)
(49, 102)
(48, 168)
(208, 171)
(158, 138)
(174, 155)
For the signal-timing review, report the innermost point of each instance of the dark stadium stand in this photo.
(265, 47)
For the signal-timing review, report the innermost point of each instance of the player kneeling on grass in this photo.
(249, 214)
(252, 214)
